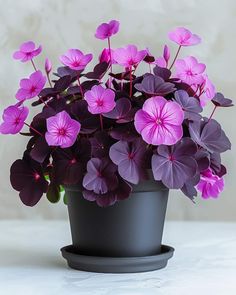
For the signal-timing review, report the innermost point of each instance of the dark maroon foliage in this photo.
(220, 101)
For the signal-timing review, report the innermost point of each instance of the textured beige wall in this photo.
(61, 24)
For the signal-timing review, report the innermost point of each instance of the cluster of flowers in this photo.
(104, 130)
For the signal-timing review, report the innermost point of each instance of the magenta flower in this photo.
(189, 70)
(75, 59)
(48, 66)
(129, 56)
(209, 91)
(62, 130)
(31, 87)
(184, 37)
(27, 51)
(100, 100)
(106, 30)
(159, 121)
(163, 60)
(105, 56)
(13, 119)
(210, 185)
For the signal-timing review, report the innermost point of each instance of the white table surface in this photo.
(204, 262)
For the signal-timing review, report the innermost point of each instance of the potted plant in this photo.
(116, 140)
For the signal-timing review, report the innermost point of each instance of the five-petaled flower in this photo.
(62, 130)
(184, 37)
(31, 87)
(129, 56)
(13, 119)
(189, 70)
(75, 59)
(106, 30)
(27, 51)
(160, 121)
(100, 100)
(105, 56)
(210, 185)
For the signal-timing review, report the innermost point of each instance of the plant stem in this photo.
(35, 130)
(109, 46)
(33, 64)
(49, 80)
(212, 113)
(130, 82)
(150, 68)
(177, 53)
(80, 87)
(101, 121)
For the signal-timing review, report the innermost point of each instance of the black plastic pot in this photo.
(125, 237)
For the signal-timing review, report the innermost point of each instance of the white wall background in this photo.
(62, 24)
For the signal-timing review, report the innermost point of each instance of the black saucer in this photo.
(117, 264)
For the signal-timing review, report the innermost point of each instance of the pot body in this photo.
(130, 228)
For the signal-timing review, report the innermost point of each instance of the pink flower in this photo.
(106, 30)
(209, 91)
(100, 100)
(13, 119)
(31, 87)
(75, 59)
(163, 60)
(189, 70)
(48, 66)
(62, 130)
(129, 56)
(184, 37)
(105, 56)
(27, 51)
(210, 185)
(159, 121)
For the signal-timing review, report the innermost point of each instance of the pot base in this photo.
(117, 264)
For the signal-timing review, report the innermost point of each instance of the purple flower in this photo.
(208, 91)
(48, 66)
(27, 51)
(210, 185)
(189, 70)
(31, 87)
(101, 176)
(13, 119)
(160, 121)
(184, 37)
(130, 159)
(163, 60)
(62, 130)
(129, 56)
(75, 59)
(100, 100)
(106, 30)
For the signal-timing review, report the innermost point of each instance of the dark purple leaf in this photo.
(73, 90)
(174, 165)
(129, 157)
(209, 135)
(162, 72)
(122, 112)
(216, 166)
(125, 132)
(189, 187)
(100, 144)
(62, 84)
(203, 159)
(190, 105)
(41, 150)
(220, 101)
(100, 177)
(102, 200)
(154, 85)
(149, 58)
(98, 71)
(27, 178)
(66, 71)
(70, 164)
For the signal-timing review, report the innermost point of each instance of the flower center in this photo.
(99, 102)
(75, 63)
(62, 131)
(171, 158)
(158, 121)
(189, 73)
(17, 121)
(36, 176)
(73, 161)
(32, 89)
(131, 156)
